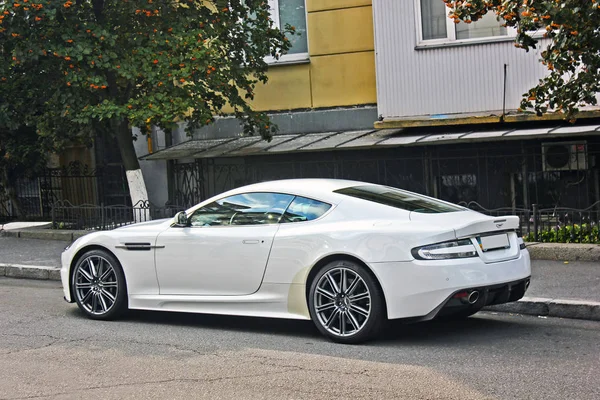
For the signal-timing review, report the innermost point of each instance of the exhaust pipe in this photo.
(468, 297)
(473, 297)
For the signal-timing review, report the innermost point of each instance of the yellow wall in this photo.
(320, 5)
(341, 69)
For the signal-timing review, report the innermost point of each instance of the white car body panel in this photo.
(226, 261)
(416, 288)
(212, 270)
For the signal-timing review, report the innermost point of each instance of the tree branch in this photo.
(98, 7)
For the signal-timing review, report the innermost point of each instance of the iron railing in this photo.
(554, 224)
(75, 183)
(92, 217)
(6, 213)
(557, 224)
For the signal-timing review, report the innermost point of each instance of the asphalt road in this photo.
(49, 350)
(551, 279)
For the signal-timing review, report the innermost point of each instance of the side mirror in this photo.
(181, 219)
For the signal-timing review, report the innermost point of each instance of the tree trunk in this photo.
(135, 179)
(8, 186)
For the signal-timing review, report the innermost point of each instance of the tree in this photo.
(20, 156)
(572, 55)
(103, 65)
(23, 153)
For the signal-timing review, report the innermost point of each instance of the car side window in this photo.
(303, 209)
(243, 209)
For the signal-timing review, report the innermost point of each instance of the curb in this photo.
(45, 234)
(558, 308)
(563, 251)
(30, 272)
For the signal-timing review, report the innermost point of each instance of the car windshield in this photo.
(399, 199)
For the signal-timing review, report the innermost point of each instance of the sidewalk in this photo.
(558, 288)
(39, 230)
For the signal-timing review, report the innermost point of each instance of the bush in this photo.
(583, 233)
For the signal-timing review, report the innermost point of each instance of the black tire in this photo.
(99, 296)
(370, 325)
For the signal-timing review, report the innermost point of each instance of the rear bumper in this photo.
(487, 296)
(420, 289)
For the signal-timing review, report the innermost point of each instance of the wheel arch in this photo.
(80, 253)
(340, 257)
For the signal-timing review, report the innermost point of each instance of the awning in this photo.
(384, 138)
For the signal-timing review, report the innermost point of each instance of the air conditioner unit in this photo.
(565, 156)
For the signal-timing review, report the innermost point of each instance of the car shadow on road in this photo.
(482, 328)
(224, 322)
(479, 329)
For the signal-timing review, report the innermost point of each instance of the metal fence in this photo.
(92, 217)
(6, 213)
(555, 224)
(75, 183)
(558, 224)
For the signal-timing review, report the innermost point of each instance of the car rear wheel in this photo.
(346, 303)
(99, 286)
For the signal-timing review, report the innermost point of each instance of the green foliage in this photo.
(583, 233)
(21, 152)
(572, 54)
(70, 66)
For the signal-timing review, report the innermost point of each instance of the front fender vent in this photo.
(135, 246)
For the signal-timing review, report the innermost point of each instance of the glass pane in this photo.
(292, 12)
(433, 19)
(457, 188)
(399, 199)
(303, 209)
(487, 26)
(243, 209)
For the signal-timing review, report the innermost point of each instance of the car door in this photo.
(225, 248)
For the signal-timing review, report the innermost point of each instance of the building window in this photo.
(436, 27)
(458, 188)
(433, 19)
(291, 12)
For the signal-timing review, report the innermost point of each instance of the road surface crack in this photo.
(163, 381)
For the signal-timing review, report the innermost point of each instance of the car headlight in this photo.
(448, 250)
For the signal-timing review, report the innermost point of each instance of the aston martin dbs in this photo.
(347, 255)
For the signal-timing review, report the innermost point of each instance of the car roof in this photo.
(321, 189)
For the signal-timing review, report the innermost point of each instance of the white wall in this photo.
(154, 172)
(458, 79)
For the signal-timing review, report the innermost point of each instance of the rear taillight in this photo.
(447, 250)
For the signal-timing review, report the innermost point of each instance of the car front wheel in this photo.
(346, 303)
(99, 286)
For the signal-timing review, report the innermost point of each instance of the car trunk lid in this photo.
(494, 237)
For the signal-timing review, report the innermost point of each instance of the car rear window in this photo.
(399, 199)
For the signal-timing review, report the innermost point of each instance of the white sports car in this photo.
(347, 255)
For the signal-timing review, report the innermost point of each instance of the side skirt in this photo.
(270, 301)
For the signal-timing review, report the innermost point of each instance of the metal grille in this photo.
(511, 174)
(188, 184)
(75, 183)
(90, 216)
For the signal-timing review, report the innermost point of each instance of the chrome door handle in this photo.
(250, 241)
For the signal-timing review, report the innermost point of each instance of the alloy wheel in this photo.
(342, 302)
(96, 285)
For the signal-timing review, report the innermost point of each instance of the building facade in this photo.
(393, 92)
